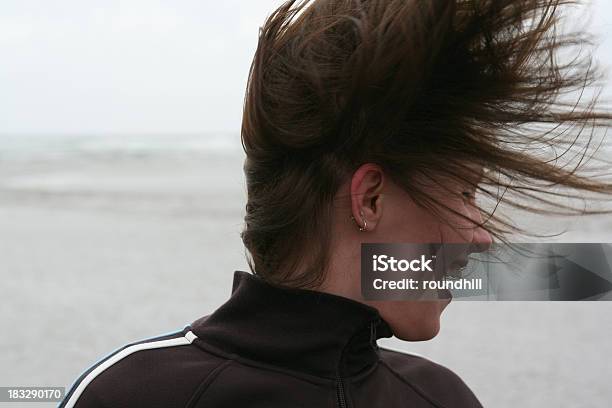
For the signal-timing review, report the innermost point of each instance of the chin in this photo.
(422, 331)
(415, 321)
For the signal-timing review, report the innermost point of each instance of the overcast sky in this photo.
(139, 66)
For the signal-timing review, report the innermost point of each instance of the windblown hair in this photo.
(418, 87)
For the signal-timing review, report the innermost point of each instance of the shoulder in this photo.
(161, 371)
(432, 380)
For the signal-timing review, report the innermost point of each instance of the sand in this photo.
(99, 251)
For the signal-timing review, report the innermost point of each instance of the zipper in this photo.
(340, 392)
(373, 334)
(340, 388)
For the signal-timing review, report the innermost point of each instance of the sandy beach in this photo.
(101, 247)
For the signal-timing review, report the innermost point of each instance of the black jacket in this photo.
(270, 347)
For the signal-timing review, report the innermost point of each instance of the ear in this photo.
(366, 195)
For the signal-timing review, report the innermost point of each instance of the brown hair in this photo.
(417, 87)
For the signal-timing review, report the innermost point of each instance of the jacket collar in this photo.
(295, 329)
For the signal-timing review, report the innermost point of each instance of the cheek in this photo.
(462, 232)
(404, 221)
(458, 229)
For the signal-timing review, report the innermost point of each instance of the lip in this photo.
(459, 263)
(445, 294)
(455, 268)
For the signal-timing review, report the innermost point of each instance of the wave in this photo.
(108, 146)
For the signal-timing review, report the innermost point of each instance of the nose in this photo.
(481, 240)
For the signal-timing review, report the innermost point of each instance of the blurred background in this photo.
(122, 197)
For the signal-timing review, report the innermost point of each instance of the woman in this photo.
(368, 121)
